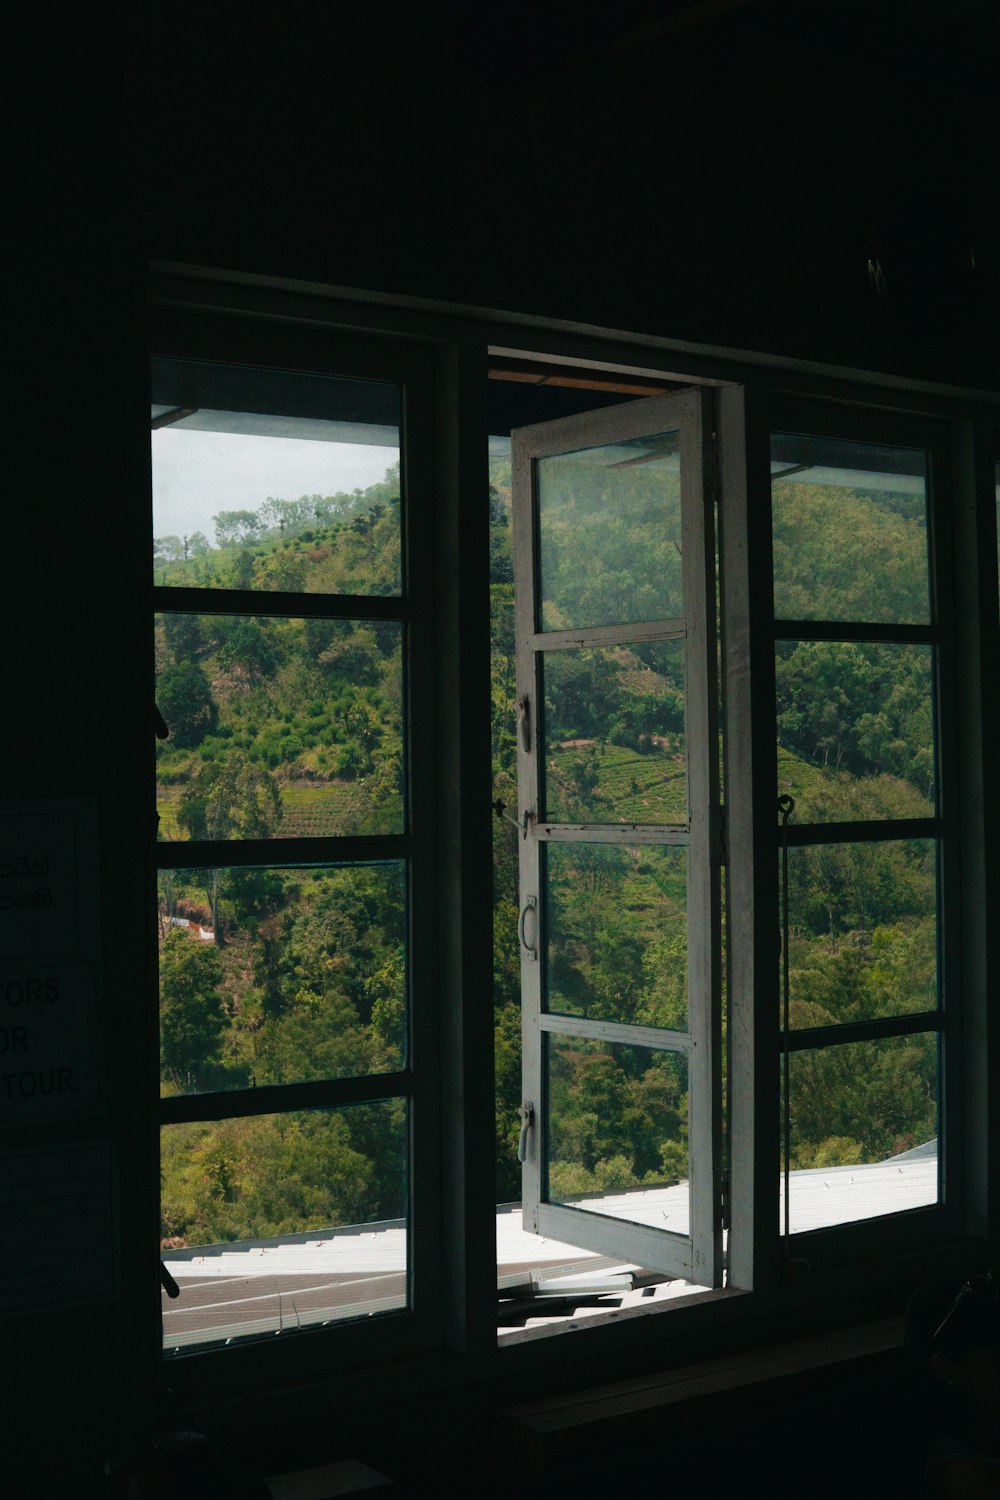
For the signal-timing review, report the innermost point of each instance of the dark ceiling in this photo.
(723, 171)
(948, 43)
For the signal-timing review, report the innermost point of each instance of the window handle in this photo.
(524, 724)
(527, 1113)
(530, 904)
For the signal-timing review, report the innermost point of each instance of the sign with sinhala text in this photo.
(39, 880)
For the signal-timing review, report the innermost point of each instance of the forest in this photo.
(296, 727)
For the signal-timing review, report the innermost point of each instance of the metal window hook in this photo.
(500, 808)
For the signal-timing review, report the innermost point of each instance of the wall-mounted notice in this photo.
(50, 1053)
(40, 850)
(57, 1208)
(50, 1060)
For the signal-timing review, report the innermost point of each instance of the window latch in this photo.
(521, 825)
(527, 1113)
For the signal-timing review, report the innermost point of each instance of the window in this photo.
(862, 714)
(619, 921)
(295, 995)
(745, 1020)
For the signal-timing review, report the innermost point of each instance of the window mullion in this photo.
(326, 1093)
(751, 795)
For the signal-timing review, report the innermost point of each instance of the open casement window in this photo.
(620, 915)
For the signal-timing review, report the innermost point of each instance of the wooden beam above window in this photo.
(532, 372)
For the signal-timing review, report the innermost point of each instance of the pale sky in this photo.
(196, 474)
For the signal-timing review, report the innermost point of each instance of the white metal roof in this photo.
(821, 1196)
(236, 1290)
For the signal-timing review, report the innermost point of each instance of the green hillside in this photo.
(292, 727)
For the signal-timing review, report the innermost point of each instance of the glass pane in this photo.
(616, 933)
(609, 531)
(864, 1127)
(613, 734)
(863, 921)
(280, 975)
(264, 480)
(849, 530)
(855, 730)
(617, 1131)
(279, 728)
(277, 1222)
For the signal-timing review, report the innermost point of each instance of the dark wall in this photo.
(718, 173)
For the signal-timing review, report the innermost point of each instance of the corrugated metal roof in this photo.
(824, 1196)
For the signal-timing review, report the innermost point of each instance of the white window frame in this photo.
(697, 1255)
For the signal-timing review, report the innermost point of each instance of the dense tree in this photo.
(192, 1014)
(287, 517)
(250, 650)
(235, 526)
(352, 653)
(846, 555)
(862, 708)
(167, 548)
(277, 1174)
(863, 1102)
(231, 798)
(184, 698)
(283, 570)
(583, 694)
(183, 634)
